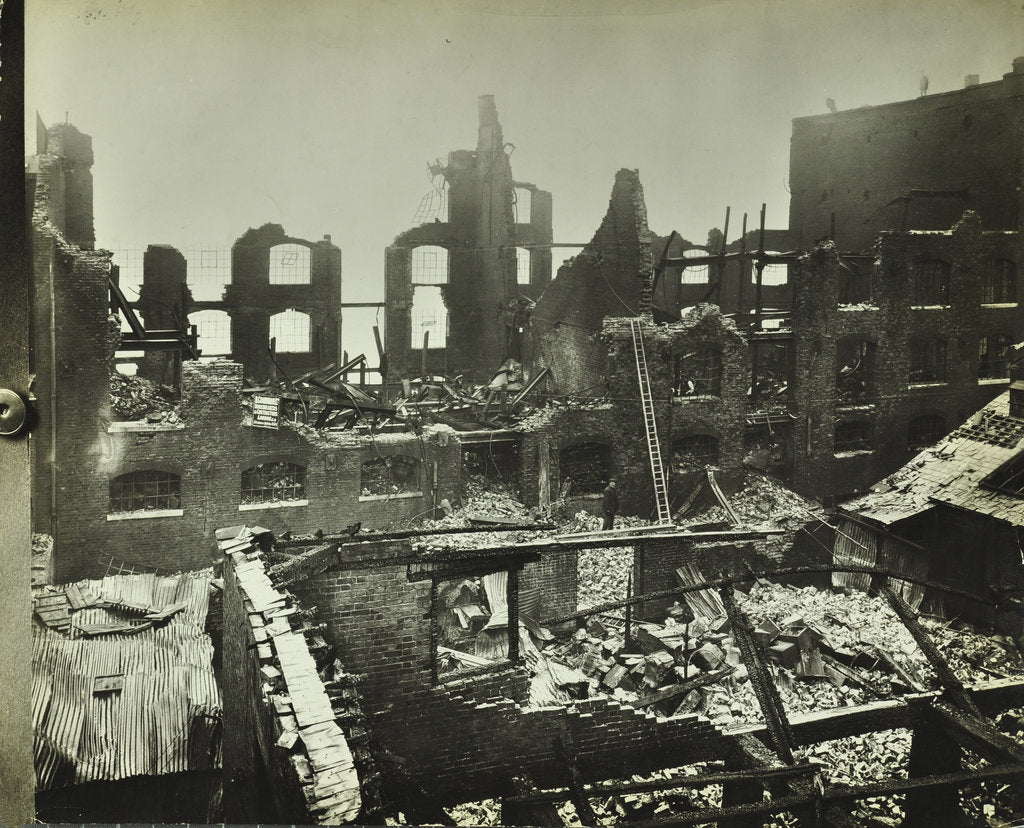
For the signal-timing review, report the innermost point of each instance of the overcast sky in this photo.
(211, 117)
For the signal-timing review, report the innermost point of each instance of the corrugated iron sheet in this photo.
(169, 695)
(854, 546)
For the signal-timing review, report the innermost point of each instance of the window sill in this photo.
(390, 496)
(273, 504)
(152, 513)
(999, 304)
(858, 306)
(855, 453)
(930, 307)
(993, 381)
(851, 407)
(136, 426)
(696, 398)
(927, 385)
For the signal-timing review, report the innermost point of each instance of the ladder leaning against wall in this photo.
(650, 426)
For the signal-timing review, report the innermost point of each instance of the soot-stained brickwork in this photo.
(474, 249)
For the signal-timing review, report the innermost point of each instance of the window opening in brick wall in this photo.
(496, 461)
(523, 204)
(429, 265)
(993, 356)
(472, 624)
(931, 283)
(773, 373)
(695, 274)
(209, 272)
(396, 474)
(855, 370)
(924, 431)
(145, 491)
(776, 273)
(999, 282)
(698, 372)
(289, 264)
(273, 482)
(130, 264)
(214, 329)
(694, 452)
(291, 330)
(927, 360)
(1008, 478)
(428, 315)
(584, 468)
(522, 266)
(854, 285)
(854, 435)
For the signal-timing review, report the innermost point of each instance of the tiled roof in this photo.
(950, 472)
(143, 701)
(317, 746)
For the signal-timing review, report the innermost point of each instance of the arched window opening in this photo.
(429, 265)
(145, 491)
(999, 282)
(291, 331)
(214, 330)
(924, 431)
(289, 264)
(931, 283)
(698, 372)
(773, 273)
(927, 360)
(396, 474)
(694, 453)
(695, 274)
(585, 468)
(273, 482)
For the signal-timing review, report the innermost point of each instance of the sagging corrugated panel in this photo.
(855, 545)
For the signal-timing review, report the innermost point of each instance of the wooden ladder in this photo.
(650, 426)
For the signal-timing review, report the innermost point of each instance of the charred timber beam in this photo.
(976, 734)
(945, 673)
(960, 779)
(417, 533)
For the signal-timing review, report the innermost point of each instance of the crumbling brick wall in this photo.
(164, 303)
(891, 323)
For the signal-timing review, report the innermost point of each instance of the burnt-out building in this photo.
(462, 280)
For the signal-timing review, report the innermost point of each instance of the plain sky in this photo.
(208, 118)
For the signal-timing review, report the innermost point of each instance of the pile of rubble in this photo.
(973, 656)
(135, 398)
(761, 502)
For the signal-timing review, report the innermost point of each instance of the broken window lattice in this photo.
(145, 491)
(429, 265)
(397, 474)
(289, 264)
(428, 316)
(695, 274)
(993, 356)
(854, 435)
(773, 274)
(931, 283)
(522, 266)
(214, 331)
(290, 331)
(273, 482)
(584, 468)
(999, 282)
(698, 372)
(924, 431)
(927, 360)
(855, 370)
(694, 453)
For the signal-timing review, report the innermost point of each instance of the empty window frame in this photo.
(698, 372)
(290, 330)
(289, 264)
(772, 274)
(214, 329)
(523, 204)
(209, 272)
(993, 356)
(584, 468)
(428, 315)
(774, 367)
(695, 274)
(472, 623)
(854, 284)
(854, 435)
(931, 283)
(694, 452)
(924, 431)
(522, 266)
(927, 360)
(855, 371)
(145, 491)
(999, 282)
(273, 482)
(429, 265)
(392, 475)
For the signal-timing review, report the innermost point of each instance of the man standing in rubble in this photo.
(610, 505)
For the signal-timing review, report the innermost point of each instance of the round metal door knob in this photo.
(12, 413)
